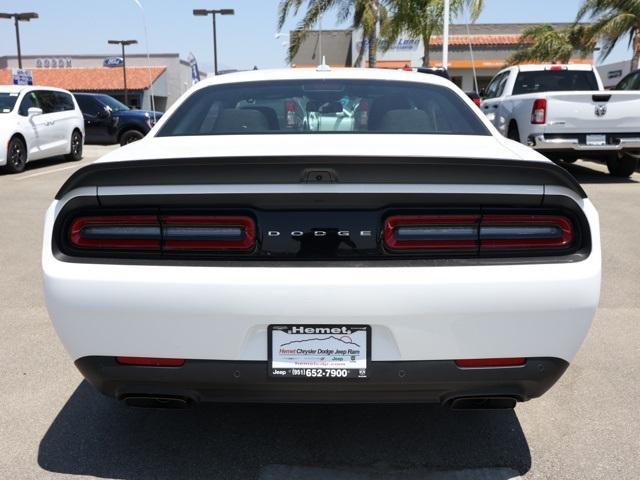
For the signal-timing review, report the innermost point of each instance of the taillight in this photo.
(432, 232)
(525, 232)
(539, 112)
(208, 233)
(135, 232)
(491, 362)
(484, 234)
(290, 113)
(165, 233)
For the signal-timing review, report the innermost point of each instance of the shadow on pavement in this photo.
(94, 435)
(588, 175)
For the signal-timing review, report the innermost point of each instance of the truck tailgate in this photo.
(593, 112)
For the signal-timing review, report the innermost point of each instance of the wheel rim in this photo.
(76, 145)
(16, 154)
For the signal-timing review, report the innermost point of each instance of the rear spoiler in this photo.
(330, 169)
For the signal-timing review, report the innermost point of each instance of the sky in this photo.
(244, 40)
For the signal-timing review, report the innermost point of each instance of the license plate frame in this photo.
(346, 337)
(596, 140)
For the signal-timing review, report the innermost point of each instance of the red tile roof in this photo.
(90, 79)
(463, 40)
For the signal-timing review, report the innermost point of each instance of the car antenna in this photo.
(323, 67)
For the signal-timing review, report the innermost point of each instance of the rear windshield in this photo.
(554, 81)
(7, 101)
(329, 106)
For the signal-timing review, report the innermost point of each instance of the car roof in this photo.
(21, 88)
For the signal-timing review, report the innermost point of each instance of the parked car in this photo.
(235, 255)
(475, 97)
(108, 121)
(564, 112)
(37, 123)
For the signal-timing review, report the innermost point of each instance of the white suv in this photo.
(38, 122)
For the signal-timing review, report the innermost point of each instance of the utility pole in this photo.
(445, 34)
(124, 43)
(19, 17)
(201, 12)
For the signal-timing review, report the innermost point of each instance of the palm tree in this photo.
(421, 19)
(543, 43)
(613, 20)
(366, 15)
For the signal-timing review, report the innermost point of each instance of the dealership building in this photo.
(167, 79)
(483, 46)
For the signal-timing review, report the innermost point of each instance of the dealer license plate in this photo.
(596, 140)
(334, 352)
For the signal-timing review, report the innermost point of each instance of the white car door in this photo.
(34, 128)
(493, 93)
(59, 119)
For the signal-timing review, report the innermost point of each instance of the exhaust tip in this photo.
(149, 401)
(483, 403)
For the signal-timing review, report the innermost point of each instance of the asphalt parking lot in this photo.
(53, 425)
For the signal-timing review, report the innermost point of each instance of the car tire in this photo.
(513, 133)
(622, 166)
(75, 154)
(130, 136)
(16, 155)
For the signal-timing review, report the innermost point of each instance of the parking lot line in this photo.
(55, 170)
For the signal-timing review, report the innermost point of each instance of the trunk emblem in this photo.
(601, 110)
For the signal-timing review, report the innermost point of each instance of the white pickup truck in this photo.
(563, 112)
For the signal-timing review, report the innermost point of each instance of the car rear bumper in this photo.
(436, 381)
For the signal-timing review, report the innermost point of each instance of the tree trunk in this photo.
(373, 50)
(426, 42)
(363, 46)
(373, 36)
(635, 62)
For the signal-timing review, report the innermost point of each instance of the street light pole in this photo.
(201, 12)
(445, 35)
(124, 43)
(19, 17)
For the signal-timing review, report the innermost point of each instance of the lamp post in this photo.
(19, 17)
(124, 43)
(445, 34)
(200, 12)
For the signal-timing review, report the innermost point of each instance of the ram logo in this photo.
(601, 110)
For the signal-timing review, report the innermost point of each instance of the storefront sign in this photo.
(113, 62)
(53, 63)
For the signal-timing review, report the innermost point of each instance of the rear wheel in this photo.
(16, 155)
(75, 153)
(622, 166)
(130, 136)
(513, 133)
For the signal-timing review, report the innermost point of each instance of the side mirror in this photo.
(33, 111)
(102, 114)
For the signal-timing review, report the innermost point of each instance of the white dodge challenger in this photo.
(322, 236)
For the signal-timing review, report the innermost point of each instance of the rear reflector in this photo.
(208, 233)
(151, 362)
(491, 362)
(165, 233)
(438, 232)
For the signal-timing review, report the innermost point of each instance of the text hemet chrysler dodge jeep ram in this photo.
(322, 236)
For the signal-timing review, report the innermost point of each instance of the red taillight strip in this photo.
(151, 361)
(491, 362)
(562, 223)
(463, 242)
(245, 224)
(114, 222)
